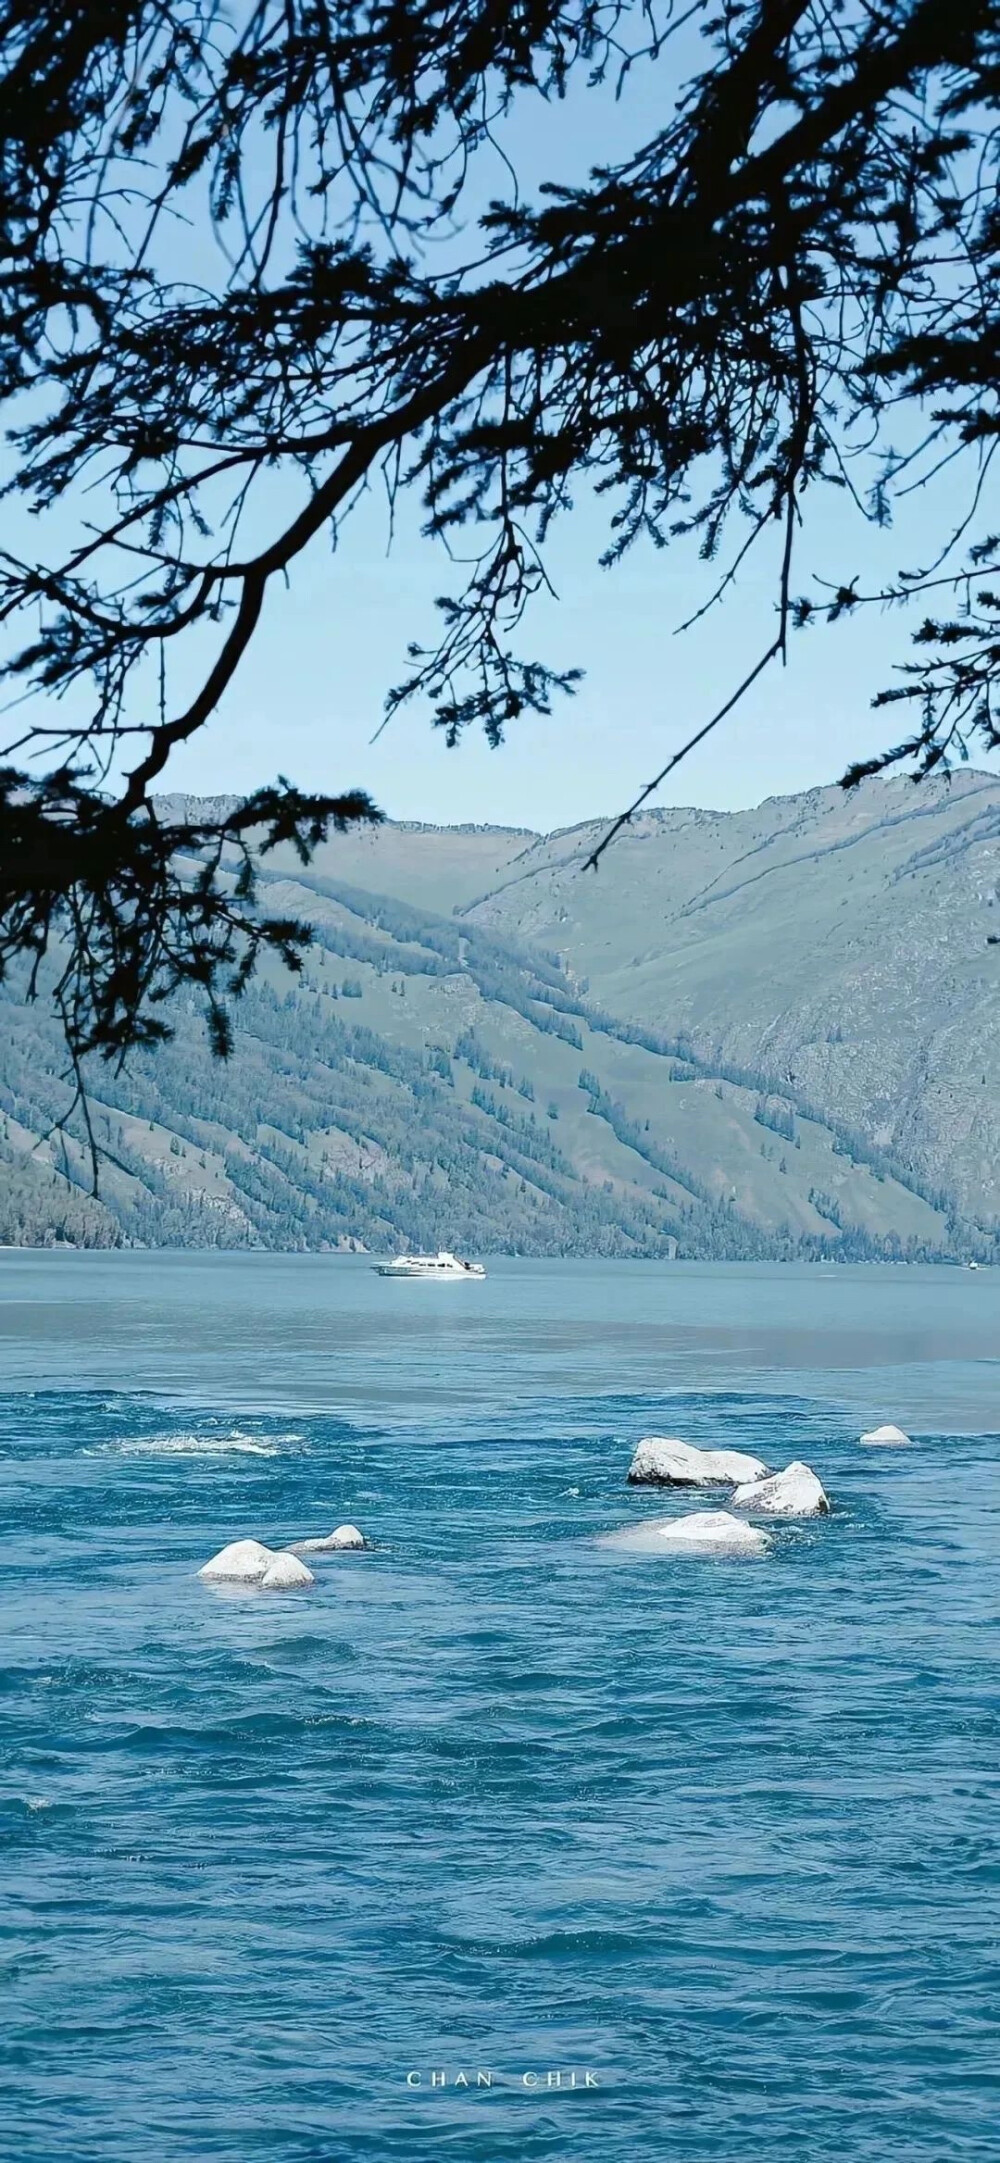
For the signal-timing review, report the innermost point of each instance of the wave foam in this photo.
(235, 1443)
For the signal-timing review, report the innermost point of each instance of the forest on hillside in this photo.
(426, 1083)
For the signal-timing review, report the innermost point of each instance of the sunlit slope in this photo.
(839, 942)
(439, 868)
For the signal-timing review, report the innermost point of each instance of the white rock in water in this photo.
(704, 1532)
(662, 1461)
(891, 1437)
(795, 1492)
(285, 1574)
(346, 1536)
(242, 1563)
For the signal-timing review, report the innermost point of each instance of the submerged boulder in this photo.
(286, 1574)
(243, 1562)
(795, 1492)
(662, 1461)
(334, 1543)
(704, 1532)
(888, 1437)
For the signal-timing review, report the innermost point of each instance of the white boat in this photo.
(437, 1268)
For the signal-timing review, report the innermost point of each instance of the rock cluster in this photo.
(795, 1492)
(243, 1562)
(285, 1574)
(663, 1461)
(249, 1562)
(334, 1543)
(703, 1532)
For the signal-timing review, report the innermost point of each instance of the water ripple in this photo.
(728, 1839)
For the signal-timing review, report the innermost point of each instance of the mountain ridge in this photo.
(793, 1058)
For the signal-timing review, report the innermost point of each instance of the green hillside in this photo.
(842, 943)
(716, 1042)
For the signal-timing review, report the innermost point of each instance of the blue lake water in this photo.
(723, 1836)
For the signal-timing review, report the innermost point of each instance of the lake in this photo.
(716, 1843)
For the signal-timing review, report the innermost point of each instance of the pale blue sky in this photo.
(309, 697)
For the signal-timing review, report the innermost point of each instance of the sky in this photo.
(308, 700)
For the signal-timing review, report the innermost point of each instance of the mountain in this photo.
(771, 1032)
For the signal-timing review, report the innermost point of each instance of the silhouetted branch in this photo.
(241, 246)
